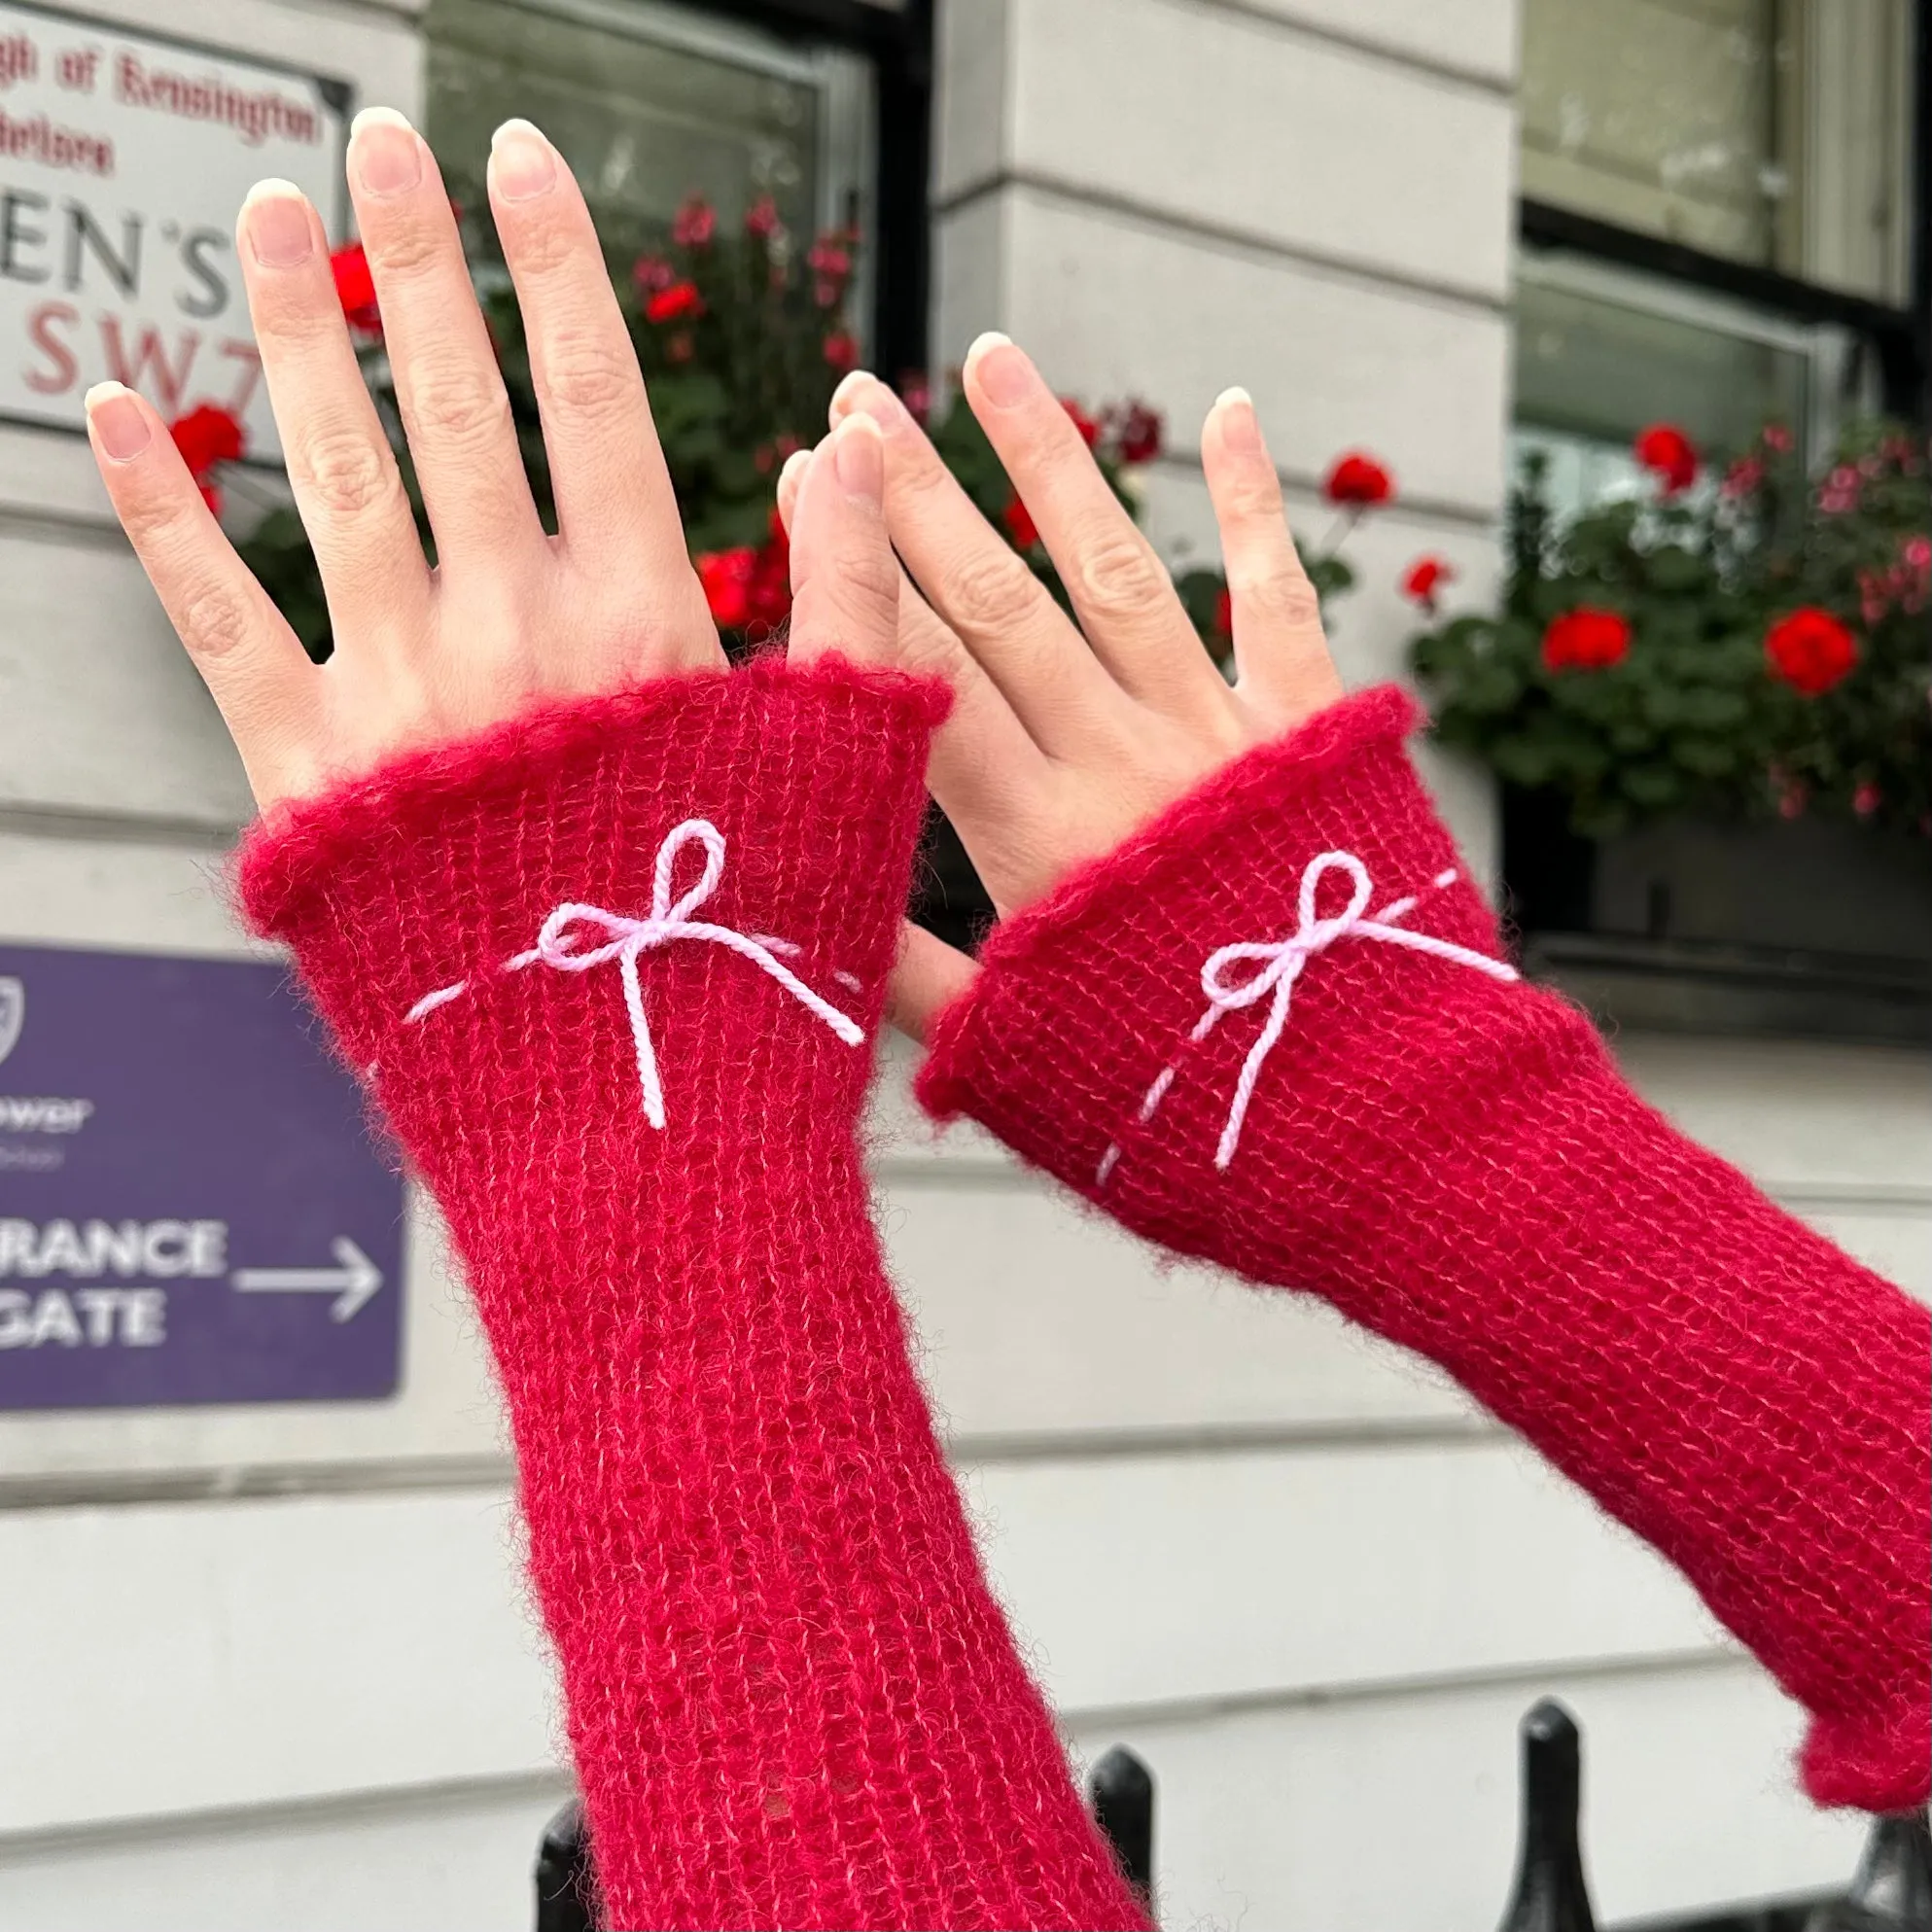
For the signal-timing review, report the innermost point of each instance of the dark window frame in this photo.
(1900, 337)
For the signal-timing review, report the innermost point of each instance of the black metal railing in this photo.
(562, 1874)
(1891, 1890)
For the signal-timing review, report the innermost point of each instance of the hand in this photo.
(1060, 743)
(510, 616)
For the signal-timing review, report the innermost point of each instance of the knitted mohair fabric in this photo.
(792, 1700)
(1455, 1162)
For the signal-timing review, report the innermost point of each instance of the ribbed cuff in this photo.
(409, 896)
(1090, 999)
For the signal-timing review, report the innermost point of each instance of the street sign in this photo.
(124, 156)
(191, 1208)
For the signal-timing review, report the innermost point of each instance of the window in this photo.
(650, 102)
(1774, 132)
(1720, 225)
(1718, 222)
(1601, 354)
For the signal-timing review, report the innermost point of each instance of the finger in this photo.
(1122, 592)
(844, 583)
(997, 608)
(923, 646)
(985, 771)
(928, 977)
(788, 479)
(1279, 648)
(257, 671)
(615, 506)
(455, 409)
(340, 467)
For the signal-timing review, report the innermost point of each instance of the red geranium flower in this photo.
(916, 393)
(649, 274)
(1810, 651)
(1839, 493)
(207, 436)
(1224, 614)
(1586, 640)
(842, 351)
(827, 259)
(769, 597)
(1361, 480)
(1669, 454)
(1020, 526)
(1084, 423)
(696, 223)
(1425, 576)
(355, 288)
(675, 303)
(1744, 478)
(746, 588)
(761, 218)
(727, 579)
(1140, 434)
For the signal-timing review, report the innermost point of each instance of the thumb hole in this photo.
(926, 979)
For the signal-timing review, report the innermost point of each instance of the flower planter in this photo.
(1803, 926)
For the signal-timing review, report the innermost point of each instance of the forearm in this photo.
(792, 1700)
(1452, 1159)
(790, 1697)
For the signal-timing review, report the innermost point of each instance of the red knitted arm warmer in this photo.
(1455, 1162)
(792, 1700)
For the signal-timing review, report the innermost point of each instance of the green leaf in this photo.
(1652, 785)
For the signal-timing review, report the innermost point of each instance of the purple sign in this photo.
(190, 1206)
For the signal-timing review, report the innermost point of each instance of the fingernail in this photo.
(274, 217)
(859, 459)
(846, 396)
(119, 426)
(795, 466)
(790, 480)
(883, 407)
(522, 162)
(388, 155)
(380, 116)
(1239, 429)
(1002, 370)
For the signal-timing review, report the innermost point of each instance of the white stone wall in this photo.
(273, 1667)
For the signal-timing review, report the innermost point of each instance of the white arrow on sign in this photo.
(353, 1283)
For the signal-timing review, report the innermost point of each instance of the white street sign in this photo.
(123, 159)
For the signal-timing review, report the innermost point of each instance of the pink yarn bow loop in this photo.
(1279, 963)
(559, 946)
